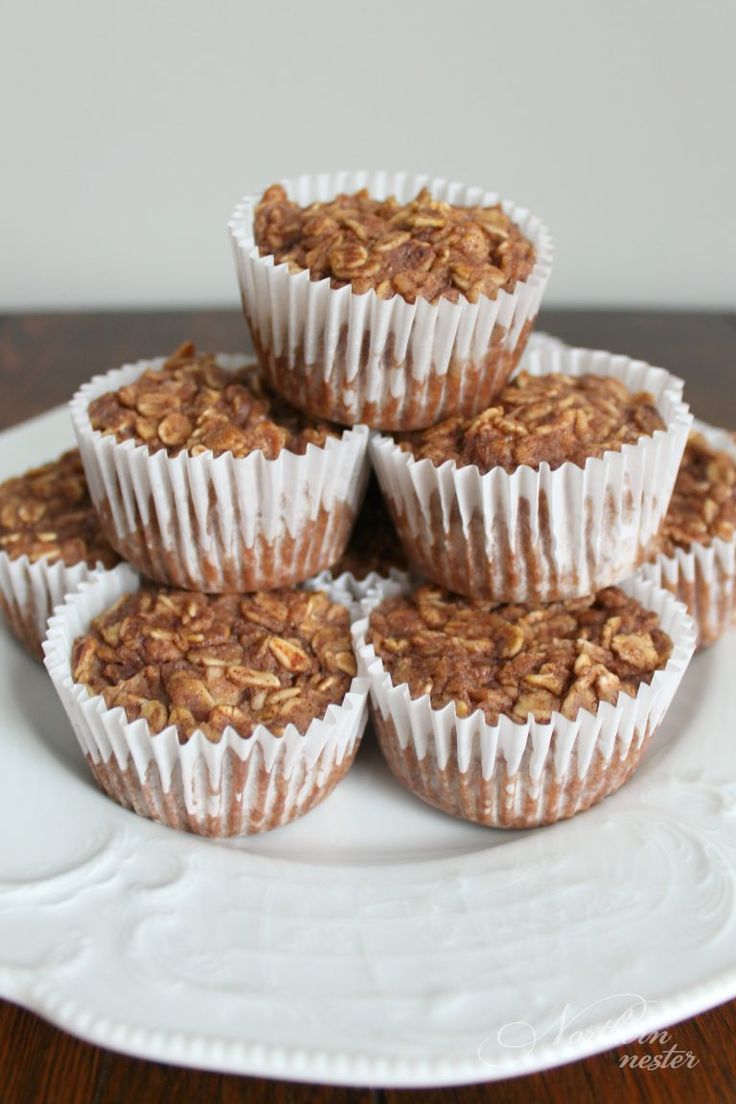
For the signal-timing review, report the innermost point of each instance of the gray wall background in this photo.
(131, 129)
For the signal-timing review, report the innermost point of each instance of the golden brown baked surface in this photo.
(47, 514)
(536, 419)
(423, 249)
(204, 662)
(193, 405)
(703, 505)
(374, 544)
(518, 660)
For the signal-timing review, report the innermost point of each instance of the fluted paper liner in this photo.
(512, 775)
(540, 535)
(30, 590)
(237, 786)
(387, 363)
(222, 523)
(357, 590)
(703, 576)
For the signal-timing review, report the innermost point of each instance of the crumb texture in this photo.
(542, 419)
(424, 249)
(194, 405)
(207, 662)
(47, 514)
(703, 505)
(517, 660)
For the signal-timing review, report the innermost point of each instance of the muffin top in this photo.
(193, 405)
(202, 661)
(47, 514)
(424, 249)
(516, 660)
(537, 419)
(703, 504)
(374, 543)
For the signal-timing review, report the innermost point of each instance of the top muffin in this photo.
(703, 504)
(549, 419)
(194, 405)
(426, 248)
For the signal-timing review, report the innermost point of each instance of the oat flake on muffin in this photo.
(206, 663)
(47, 514)
(539, 419)
(696, 557)
(425, 248)
(194, 405)
(703, 503)
(516, 660)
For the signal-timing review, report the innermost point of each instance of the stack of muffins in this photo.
(507, 598)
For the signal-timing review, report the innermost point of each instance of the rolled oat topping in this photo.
(703, 505)
(425, 249)
(204, 662)
(536, 419)
(374, 544)
(194, 405)
(518, 660)
(47, 514)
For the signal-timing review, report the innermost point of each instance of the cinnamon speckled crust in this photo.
(696, 557)
(47, 514)
(541, 419)
(194, 405)
(703, 504)
(516, 660)
(207, 663)
(426, 248)
(51, 539)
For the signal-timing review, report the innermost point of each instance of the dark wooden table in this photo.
(42, 359)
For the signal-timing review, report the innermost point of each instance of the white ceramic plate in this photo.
(375, 942)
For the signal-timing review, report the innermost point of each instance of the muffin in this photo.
(555, 491)
(697, 558)
(222, 715)
(515, 715)
(207, 480)
(388, 299)
(50, 540)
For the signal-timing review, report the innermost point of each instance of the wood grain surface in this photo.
(43, 358)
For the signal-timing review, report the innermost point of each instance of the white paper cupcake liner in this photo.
(237, 786)
(29, 591)
(703, 576)
(357, 590)
(513, 775)
(541, 535)
(220, 524)
(386, 363)
(537, 340)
